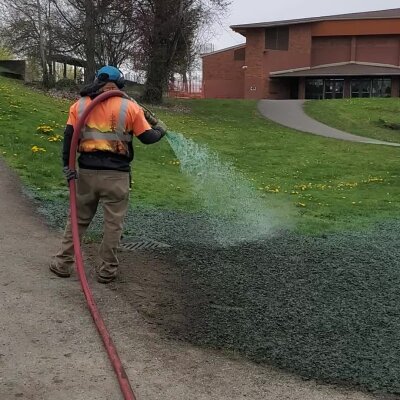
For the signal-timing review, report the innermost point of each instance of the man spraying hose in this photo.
(106, 151)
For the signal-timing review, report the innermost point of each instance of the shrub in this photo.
(67, 84)
(389, 125)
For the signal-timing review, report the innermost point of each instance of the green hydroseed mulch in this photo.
(324, 305)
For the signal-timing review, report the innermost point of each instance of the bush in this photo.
(67, 84)
(389, 125)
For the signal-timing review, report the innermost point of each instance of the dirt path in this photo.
(49, 349)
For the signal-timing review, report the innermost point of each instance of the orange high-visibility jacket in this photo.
(110, 126)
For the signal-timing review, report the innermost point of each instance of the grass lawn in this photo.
(364, 117)
(333, 184)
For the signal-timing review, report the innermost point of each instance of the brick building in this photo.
(348, 55)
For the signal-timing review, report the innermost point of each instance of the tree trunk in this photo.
(163, 47)
(90, 41)
(157, 75)
(185, 82)
(42, 46)
(49, 27)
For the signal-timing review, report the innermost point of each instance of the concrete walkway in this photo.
(291, 113)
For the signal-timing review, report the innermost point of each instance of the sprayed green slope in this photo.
(333, 184)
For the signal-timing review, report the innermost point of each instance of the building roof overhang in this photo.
(379, 14)
(65, 59)
(236, 47)
(340, 69)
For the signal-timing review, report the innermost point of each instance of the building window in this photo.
(314, 89)
(381, 87)
(318, 89)
(334, 89)
(361, 88)
(277, 38)
(371, 87)
(240, 54)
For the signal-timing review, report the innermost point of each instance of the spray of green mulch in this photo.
(237, 212)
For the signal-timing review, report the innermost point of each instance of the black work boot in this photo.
(105, 279)
(60, 270)
(106, 273)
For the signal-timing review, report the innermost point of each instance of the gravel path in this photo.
(290, 113)
(49, 349)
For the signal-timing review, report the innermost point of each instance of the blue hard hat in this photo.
(113, 73)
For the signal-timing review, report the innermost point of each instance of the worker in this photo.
(106, 151)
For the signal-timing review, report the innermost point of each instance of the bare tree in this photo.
(117, 35)
(174, 24)
(100, 31)
(78, 30)
(42, 44)
(158, 34)
(25, 29)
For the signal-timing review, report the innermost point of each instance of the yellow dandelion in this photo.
(36, 149)
(55, 138)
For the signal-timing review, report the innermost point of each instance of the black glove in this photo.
(69, 173)
(154, 122)
(160, 127)
(151, 118)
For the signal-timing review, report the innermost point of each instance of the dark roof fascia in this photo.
(322, 75)
(378, 14)
(236, 47)
(326, 70)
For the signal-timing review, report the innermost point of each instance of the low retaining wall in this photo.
(13, 68)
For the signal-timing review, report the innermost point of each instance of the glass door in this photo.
(334, 89)
(314, 89)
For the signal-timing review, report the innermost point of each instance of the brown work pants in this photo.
(111, 189)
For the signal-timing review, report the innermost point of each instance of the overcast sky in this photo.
(249, 11)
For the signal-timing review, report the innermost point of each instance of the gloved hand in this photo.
(69, 173)
(151, 118)
(154, 122)
(161, 128)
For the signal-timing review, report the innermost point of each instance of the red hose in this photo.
(101, 327)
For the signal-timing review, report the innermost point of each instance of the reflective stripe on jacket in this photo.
(113, 139)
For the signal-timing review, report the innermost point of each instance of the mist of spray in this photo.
(237, 212)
